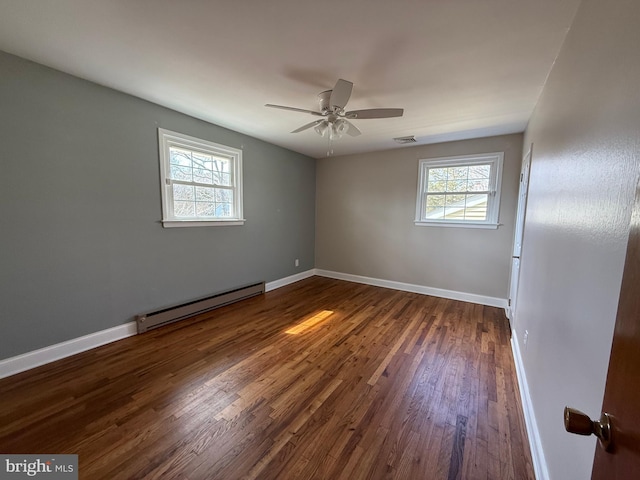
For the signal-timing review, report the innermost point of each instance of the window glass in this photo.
(460, 191)
(202, 181)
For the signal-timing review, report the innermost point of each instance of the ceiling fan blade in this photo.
(353, 130)
(293, 109)
(340, 94)
(375, 113)
(308, 125)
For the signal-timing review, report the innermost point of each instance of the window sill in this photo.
(490, 226)
(201, 223)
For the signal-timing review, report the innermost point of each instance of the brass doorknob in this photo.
(579, 423)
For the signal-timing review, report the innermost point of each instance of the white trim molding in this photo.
(408, 287)
(535, 444)
(36, 358)
(489, 226)
(42, 356)
(288, 280)
(475, 192)
(27, 361)
(168, 140)
(187, 223)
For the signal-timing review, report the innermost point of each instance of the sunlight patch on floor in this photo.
(307, 324)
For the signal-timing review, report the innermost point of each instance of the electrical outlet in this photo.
(297, 262)
(525, 337)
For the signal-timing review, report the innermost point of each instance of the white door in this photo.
(519, 231)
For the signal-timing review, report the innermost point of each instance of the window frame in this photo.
(168, 139)
(494, 159)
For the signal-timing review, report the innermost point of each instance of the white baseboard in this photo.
(535, 443)
(29, 360)
(288, 280)
(408, 287)
(36, 358)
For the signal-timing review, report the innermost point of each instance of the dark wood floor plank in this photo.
(322, 379)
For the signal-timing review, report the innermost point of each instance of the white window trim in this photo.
(495, 183)
(167, 139)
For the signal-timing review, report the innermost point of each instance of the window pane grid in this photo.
(191, 201)
(457, 193)
(187, 165)
(459, 189)
(201, 184)
(202, 180)
(466, 179)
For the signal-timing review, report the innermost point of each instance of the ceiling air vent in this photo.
(403, 140)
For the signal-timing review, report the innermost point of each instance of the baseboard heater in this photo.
(159, 318)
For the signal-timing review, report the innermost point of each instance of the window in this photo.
(201, 182)
(460, 191)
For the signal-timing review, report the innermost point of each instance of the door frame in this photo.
(518, 233)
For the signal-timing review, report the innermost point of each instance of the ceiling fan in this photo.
(335, 120)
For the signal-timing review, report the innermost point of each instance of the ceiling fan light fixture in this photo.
(339, 128)
(335, 122)
(321, 128)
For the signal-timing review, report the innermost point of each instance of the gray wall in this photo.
(585, 166)
(82, 248)
(366, 209)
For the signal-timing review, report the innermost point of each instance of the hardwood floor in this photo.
(322, 379)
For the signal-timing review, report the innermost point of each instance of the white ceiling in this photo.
(460, 68)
